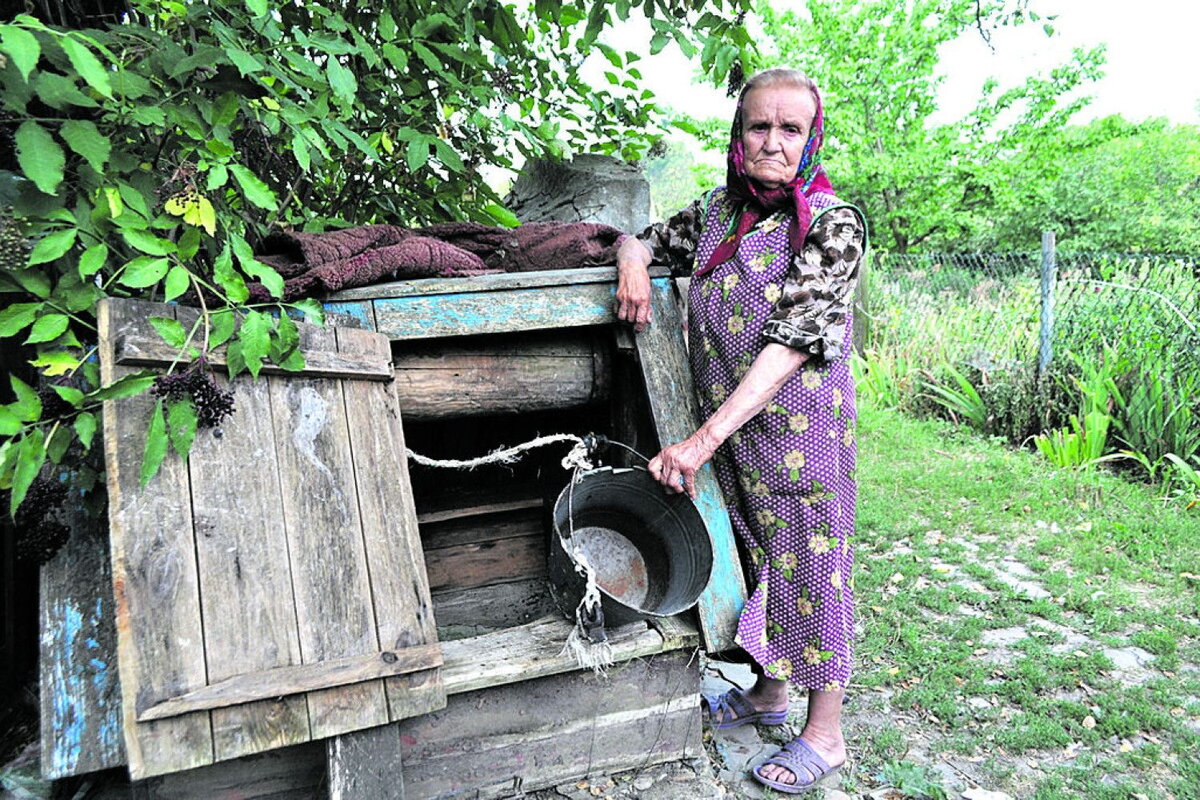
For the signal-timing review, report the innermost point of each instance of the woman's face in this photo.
(775, 125)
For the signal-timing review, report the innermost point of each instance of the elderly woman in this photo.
(774, 256)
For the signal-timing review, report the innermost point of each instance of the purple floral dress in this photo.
(788, 473)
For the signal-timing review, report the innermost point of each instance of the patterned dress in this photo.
(788, 473)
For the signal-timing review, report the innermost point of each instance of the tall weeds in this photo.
(958, 337)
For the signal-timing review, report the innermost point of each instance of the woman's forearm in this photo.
(770, 370)
(633, 253)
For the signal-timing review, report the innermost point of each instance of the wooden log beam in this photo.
(283, 681)
(448, 379)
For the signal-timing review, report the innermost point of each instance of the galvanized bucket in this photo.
(650, 550)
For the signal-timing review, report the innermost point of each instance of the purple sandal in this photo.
(798, 758)
(733, 710)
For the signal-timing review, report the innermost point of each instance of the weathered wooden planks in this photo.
(503, 741)
(366, 764)
(506, 523)
(331, 585)
(485, 609)
(425, 317)
(80, 694)
(282, 681)
(676, 416)
(238, 539)
(399, 585)
(543, 729)
(154, 572)
(533, 650)
(498, 282)
(278, 562)
(290, 772)
(144, 350)
(482, 563)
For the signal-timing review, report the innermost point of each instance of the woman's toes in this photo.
(777, 773)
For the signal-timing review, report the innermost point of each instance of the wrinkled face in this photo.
(775, 125)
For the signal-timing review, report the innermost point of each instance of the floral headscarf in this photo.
(758, 202)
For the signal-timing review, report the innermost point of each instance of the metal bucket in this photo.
(650, 550)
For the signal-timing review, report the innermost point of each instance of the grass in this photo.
(996, 595)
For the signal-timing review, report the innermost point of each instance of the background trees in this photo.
(1014, 166)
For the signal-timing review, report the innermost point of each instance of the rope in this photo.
(596, 656)
(505, 456)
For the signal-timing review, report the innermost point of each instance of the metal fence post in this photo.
(1049, 270)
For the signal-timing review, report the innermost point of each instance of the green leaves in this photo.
(85, 139)
(253, 188)
(52, 246)
(28, 406)
(40, 157)
(48, 328)
(156, 444)
(254, 339)
(18, 317)
(341, 80)
(148, 243)
(31, 454)
(92, 260)
(144, 271)
(21, 46)
(86, 64)
(181, 426)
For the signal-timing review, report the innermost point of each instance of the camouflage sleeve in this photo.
(673, 242)
(818, 289)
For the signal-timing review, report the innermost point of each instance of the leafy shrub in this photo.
(152, 156)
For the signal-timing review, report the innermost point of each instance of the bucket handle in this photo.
(595, 441)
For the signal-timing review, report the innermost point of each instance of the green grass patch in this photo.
(990, 584)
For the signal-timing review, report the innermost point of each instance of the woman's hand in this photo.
(633, 284)
(676, 466)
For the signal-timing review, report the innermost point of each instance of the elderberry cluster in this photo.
(14, 247)
(39, 533)
(212, 404)
(737, 76)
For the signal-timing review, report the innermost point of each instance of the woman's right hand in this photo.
(633, 284)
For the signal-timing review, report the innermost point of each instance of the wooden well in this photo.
(481, 362)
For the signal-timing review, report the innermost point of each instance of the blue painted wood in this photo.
(361, 310)
(500, 281)
(80, 693)
(501, 311)
(676, 414)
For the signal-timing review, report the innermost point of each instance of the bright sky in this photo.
(1153, 64)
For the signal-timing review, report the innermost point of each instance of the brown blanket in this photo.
(318, 263)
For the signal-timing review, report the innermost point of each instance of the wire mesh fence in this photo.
(1021, 344)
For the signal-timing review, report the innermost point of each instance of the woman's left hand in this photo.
(676, 466)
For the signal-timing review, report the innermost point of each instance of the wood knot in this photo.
(388, 657)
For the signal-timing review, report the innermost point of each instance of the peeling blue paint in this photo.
(360, 311)
(493, 312)
(68, 723)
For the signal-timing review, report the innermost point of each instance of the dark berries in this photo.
(39, 531)
(736, 77)
(14, 247)
(53, 406)
(212, 403)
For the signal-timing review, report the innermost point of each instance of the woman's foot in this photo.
(803, 762)
(766, 703)
(819, 750)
